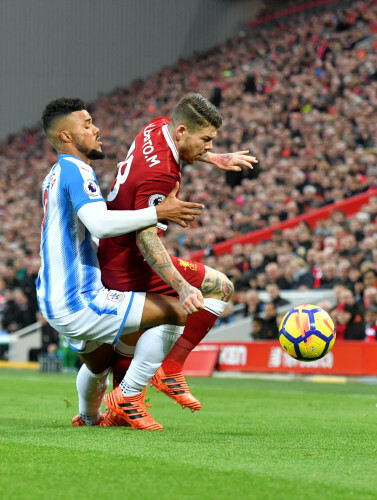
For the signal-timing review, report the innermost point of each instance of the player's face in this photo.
(85, 135)
(193, 145)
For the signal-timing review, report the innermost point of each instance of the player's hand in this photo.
(175, 210)
(232, 162)
(191, 299)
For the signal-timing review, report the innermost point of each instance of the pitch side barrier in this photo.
(347, 358)
(350, 207)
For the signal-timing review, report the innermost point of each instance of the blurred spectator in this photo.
(330, 276)
(256, 327)
(370, 316)
(254, 306)
(15, 312)
(274, 274)
(356, 256)
(348, 326)
(346, 296)
(256, 265)
(298, 275)
(370, 297)
(261, 281)
(344, 267)
(274, 294)
(266, 328)
(370, 278)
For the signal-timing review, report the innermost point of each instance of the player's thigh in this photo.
(216, 285)
(161, 309)
(131, 338)
(99, 360)
(109, 315)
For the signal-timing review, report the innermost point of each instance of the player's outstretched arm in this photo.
(103, 223)
(155, 254)
(180, 212)
(232, 162)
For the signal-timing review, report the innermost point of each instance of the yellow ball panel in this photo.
(288, 346)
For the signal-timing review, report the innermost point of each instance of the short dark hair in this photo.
(60, 107)
(195, 111)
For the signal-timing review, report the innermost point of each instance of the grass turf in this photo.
(254, 439)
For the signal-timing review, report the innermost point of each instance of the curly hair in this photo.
(60, 107)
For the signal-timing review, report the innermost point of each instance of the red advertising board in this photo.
(202, 360)
(346, 358)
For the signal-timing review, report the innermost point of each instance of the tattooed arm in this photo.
(230, 161)
(158, 258)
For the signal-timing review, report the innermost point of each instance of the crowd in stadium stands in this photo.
(300, 93)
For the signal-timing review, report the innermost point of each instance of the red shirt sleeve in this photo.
(153, 190)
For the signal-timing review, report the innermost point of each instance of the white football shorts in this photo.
(108, 316)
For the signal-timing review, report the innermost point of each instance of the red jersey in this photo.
(145, 178)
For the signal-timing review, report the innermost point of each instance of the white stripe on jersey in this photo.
(169, 140)
(69, 276)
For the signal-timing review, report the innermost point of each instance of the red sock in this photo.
(197, 327)
(120, 367)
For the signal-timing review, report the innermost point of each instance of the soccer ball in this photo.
(307, 333)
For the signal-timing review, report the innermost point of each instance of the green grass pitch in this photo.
(253, 439)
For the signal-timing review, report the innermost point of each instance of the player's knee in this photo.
(99, 360)
(216, 285)
(181, 317)
(174, 314)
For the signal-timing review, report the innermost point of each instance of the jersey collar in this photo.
(65, 155)
(169, 140)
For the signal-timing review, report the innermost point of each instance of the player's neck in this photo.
(172, 135)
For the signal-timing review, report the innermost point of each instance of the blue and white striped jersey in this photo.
(70, 276)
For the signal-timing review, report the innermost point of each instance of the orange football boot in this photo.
(112, 419)
(133, 409)
(77, 422)
(175, 386)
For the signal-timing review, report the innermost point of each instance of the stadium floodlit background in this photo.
(296, 83)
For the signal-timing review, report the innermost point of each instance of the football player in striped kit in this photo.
(71, 296)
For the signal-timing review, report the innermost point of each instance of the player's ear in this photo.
(65, 136)
(180, 132)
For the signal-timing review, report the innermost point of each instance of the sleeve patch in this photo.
(91, 189)
(155, 199)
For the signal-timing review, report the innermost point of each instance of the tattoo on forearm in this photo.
(157, 257)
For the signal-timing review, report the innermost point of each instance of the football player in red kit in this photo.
(139, 261)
